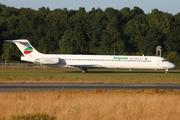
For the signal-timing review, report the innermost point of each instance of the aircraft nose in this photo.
(171, 65)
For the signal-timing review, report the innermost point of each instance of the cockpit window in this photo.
(164, 60)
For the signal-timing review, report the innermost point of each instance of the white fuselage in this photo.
(105, 61)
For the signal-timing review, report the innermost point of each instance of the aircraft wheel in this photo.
(84, 70)
(166, 70)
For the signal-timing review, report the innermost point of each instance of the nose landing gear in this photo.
(166, 70)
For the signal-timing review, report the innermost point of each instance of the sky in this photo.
(169, 6)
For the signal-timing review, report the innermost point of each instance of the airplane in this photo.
(84, 62)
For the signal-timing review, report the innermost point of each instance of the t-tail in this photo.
(25, 47)
(27, 50)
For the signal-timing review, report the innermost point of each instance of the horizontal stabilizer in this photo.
(19, 41)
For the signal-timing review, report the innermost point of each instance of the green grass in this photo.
(67, 75)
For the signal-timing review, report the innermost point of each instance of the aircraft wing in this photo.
(86, 66)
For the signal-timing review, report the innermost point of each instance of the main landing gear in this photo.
(84, 70)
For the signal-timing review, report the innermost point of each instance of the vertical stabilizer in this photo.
(25, 47)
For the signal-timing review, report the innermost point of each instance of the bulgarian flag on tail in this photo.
(28, 50)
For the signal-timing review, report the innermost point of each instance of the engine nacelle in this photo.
(48, 61)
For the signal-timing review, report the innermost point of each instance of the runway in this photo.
(54, 86)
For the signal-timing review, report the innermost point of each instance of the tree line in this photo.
(106, 32)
